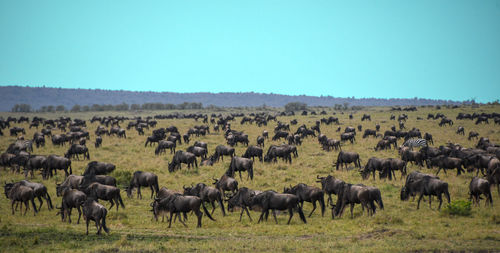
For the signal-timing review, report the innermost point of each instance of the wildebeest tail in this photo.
(301, 214)
(106, 229)
(206, 211)
(121, 201)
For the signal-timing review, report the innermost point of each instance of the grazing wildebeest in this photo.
(408, 155)
(308, 193)
(243, 198)
(260, 141)
(186, 138)
(280, 134)
(35, 162)
(376, 164)
(240, 164)
(17, 192)
(183, 204)
(283, 151)
(207, 161)
(477, 187)
(428, 138)
(357, 194)
(445, 121)
(369, 132)
(348, 137)
(39, 191)
(382, 145)
(105, 192)
(197, 151)
(329, 144)
(54, 163)
(221, 151)
(96, 212)
(98, 141)
(163, 145)
(270, 200)
(206, 194)
(481, 119)
(252, 152)
(76, 150)
(427, 186)
(330, 185)
(15, 130)
(345, 158)
(182, 157)
(473, 134)
(226, 183)
(397, 164)
(144, 179)
(71, 198)
(461, 130)
(445, 163)
(99, 168)
(153, 138)
(201, 144)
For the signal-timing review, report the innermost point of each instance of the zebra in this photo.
(415, 143)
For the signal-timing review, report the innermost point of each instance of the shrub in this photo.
(122, 178)
(458, 207)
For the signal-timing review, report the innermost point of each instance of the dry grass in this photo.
(400, 227)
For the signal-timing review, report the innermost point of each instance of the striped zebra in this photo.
(415, 143)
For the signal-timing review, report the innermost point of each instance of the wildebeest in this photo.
(270, 200)
(309, 194)
(182, 204)
(252, 152)
(382, 145)
(98, 141)
(445, 163)
(206, 194)
(75, 150)
(240, 164)
(17, 192)
(348, 137)
(197, 151)
(145, 179)
(369, 132)
(427, 186)
(493, 177)
(35, 162)
(473, 134)
(477, 187)
(461, 130)
(105, 192)
(226, 183)
(221, 151)
(162, 145)
(445, 121)
(428, 138)
(15, 130)
(39, 191)
(328, 144)
(99, 168)
(153, 138)
(243, 198)
(408, 155)
(96, 212)
(345, 158)
(357, 194)
(71, 198)
(280, 134)
(260, 141)
(54, 163)
(282, 151)
(376, 164)
(182, 157)
(330, 185)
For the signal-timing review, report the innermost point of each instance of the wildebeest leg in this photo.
(199, 214)
(240, 175)
(430, 200)
(170, 220)
(352, 208)
(152, 191)
(290, 210)
(241, 213)
(139, 194)
(276, 219)
(112, 204)
(41, 203)
(441, 201)
(419, 199)
(213, 206)
(314, 207)
(87, 220)
(79, 214)
(69, 215)
(260, 218)
(248, 213)
(98, 226)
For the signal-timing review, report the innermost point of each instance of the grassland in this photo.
(399, 227)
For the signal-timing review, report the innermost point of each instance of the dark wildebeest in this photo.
(99, 168)
(493, 177)
(243, 198)
(162, 145)
(201, 144)
(376, 164)
(105, 192)
(382, 145)
(461, 130)
(144, 179)
(280, 134)
(186, 138)
(260, 141)
(397, 164)
(183, 204)
(345, 158)
(221, 151)
(153, 138)
(428, 138)
(427, 186)
(206, 194)
(270, 200)
(207, 161)
(330, 185)
(17, 192)
(329, 144)
(408, 155)
(226, 183)
(240, 164)
(39, 191)
(96, 212)
(445, 163)
(348, 137)
(445, 121)
(76, 150)
(283, 151)
(369, 132)
(71, 198)
(182, 157)
(98, 141)
(265, 134)
(357, 194)
(252, 152)
(477, 187)
(35, 162)
(473, 134)
(309, 194)
(197, 151)
(54, 163)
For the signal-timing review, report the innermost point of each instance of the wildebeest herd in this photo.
(411, 151)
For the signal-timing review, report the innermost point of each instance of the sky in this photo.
(385, 49)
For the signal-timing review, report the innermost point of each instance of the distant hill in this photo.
(43, 96)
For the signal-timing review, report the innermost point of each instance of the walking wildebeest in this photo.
(309, 194)
(145, 179)
(17, 192)
(105, 192)
(270, 200)
(346, 158)
(206, 194)
(96, 212)
(240, 164)
(427, 186)
(477, 187)
(71, 198)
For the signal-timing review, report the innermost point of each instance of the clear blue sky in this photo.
(429, 49)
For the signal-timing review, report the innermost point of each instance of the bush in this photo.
(122, 178)
(458, 207)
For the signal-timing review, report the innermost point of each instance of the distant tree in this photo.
(295, 106)
(76, 108)
(50, 108)
(135, 107)
(60, 108)
(122, 107)
(43, 109)
(346, 106)
(85, 108)
(21, 108)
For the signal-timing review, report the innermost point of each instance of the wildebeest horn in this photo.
(317, 177)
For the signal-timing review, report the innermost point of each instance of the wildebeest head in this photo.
(405, 193)
(7, 187)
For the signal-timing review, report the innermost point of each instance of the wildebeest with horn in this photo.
(206, 194)
(345, 158)
(240, 164)
(182, 157)
(330, 185)
(96, 212)
(145, 179)
(309, 194)
(243, 198)
(425, 186)
(71, 198)
(271, 200)
(182, 204)
(39, 191)
(17, 192)
(105, 192)
(226, 183)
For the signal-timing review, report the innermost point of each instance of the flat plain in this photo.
(399, 227)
